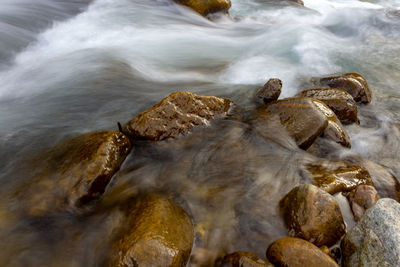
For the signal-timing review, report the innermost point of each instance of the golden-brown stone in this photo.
(242, 259)
(362, 198)
(205, 7)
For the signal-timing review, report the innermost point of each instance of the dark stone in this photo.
(270, 91)
(242, 259)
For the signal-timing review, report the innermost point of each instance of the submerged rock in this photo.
(270, 91)
(176, 114)
(312, 214)
(375, 240)
(75, 172)
(353, 83)
(206, 7)
(337, 176)
(296, 252)
(242, 259)
(341, 102)
(160, 234)
(361, 199)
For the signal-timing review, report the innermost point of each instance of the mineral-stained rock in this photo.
(176, 114)
(270, 91)
(337, 176)
(205, 7)
(362, 198)
(353, 83)
(74, 172)
(242, 259)
(160, 233)
(296, 252)
(301, 117)
(375, 240)
(341, 102)
(312, 214)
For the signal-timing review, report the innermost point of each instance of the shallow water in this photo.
(72, 67)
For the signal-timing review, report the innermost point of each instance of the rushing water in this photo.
(70, 67)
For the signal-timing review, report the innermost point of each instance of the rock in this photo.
(176, 114)
(296, 252)
(74, 172)
(242, 259)
(353, 83)
(361, 199)
(206, 7)
(270, 91)
(337, 176)
(341, 102)
(326, 250)
(160, 234)
(334, 130)
(302, 118)
(312, 214)
(375, 240)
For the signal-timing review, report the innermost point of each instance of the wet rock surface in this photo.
(341, 102)
(176, 114)
(375, 240)
(270, 91)
(75, 172)
(337, 176)
(206, 7)
(362, 198)
(296, 252)
(312, 214)
(242, 259)
(160, 233)
(353, 83)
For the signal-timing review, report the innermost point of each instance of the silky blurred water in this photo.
(70, 67)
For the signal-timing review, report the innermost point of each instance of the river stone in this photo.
(270, 91)
(337, 176)
(334, 130)
(75, 172)
(301, 117)
(341, 102)
(205, 7)
(296, 252)
(353, 83)
(242, 259)
(375, 240)
(312, 214)
(176, 114)
(160, 234)
(362, 198)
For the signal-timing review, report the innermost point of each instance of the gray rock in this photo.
(375, 240)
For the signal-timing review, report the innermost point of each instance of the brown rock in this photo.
(301, 117)
(326, 250)
(206, 7)
(75, 172)
(242, 259)
(270, 91)
(361, 199)
(176, 114)
(312, 214)
(337, 176)
(160, 234)
(341, 102)
(296, 252)
(353, 83)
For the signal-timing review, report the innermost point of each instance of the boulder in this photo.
(312, 214)
(270, 91)
(296, 252)
(205, 7)
(301, 117)
(353, 83)
(74, 172)
(242, 259)
(341, 102)
(176, 114)
(159, 233)
(375, 240)
(337, 176)
(362, 198)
